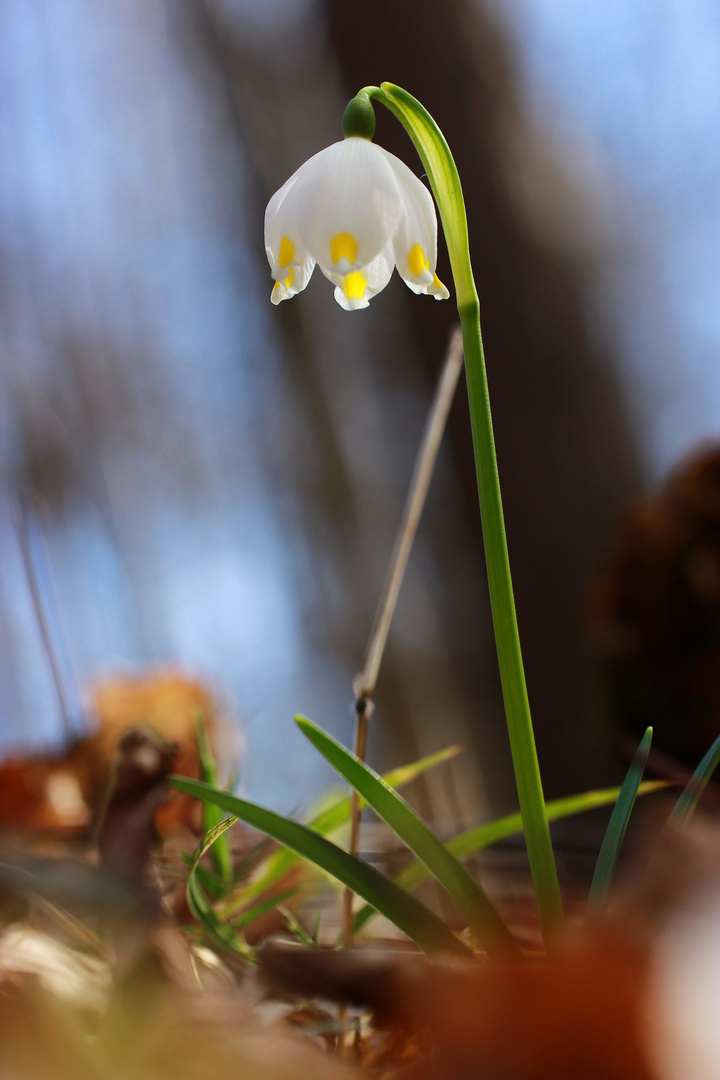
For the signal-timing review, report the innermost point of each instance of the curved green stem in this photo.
(445, 182)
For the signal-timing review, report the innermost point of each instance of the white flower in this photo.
(357, 211)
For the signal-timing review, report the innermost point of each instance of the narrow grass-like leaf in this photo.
(402, 909)
(296, 928)
(617, 826)
(685, 806)
(472, 841)
(223, 934)
(334, 814)
(337, 812)
(221, 854)
(209, 882)
(470, 898)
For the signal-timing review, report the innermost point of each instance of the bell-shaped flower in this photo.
(355, 210)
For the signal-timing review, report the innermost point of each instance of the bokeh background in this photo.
(215, 483)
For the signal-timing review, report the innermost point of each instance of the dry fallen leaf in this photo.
(59, 794)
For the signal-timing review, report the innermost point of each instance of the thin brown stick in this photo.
(364, 683)
(363, 707)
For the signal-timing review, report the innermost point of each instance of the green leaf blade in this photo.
(401, 908)
(330, 818)
(197, 900)
(474, 840)
(221, 854)
(617, 826)
(470, 898)
(687, 803)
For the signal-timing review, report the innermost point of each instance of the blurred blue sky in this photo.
(122, 198)
(632, 89)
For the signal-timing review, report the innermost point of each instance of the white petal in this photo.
(280, 212)
(294, 280)
(356, 289)
(291, 265)
(348, 190)
(415, 240)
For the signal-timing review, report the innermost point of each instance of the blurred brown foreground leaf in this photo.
(633, 995)
(60, 794)
(99, 982)
(150, 1027)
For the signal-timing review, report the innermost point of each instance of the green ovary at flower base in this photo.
(355, 210)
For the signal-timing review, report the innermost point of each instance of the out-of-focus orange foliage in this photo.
(59, 794)
(579, 1014)
(170, 703)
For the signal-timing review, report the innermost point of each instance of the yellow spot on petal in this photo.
(287, 252)
(343, 246)
(437, 283)
(354, 285)
(286, 281)
(417, 262)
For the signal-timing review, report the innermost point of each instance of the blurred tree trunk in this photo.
(568, 461)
